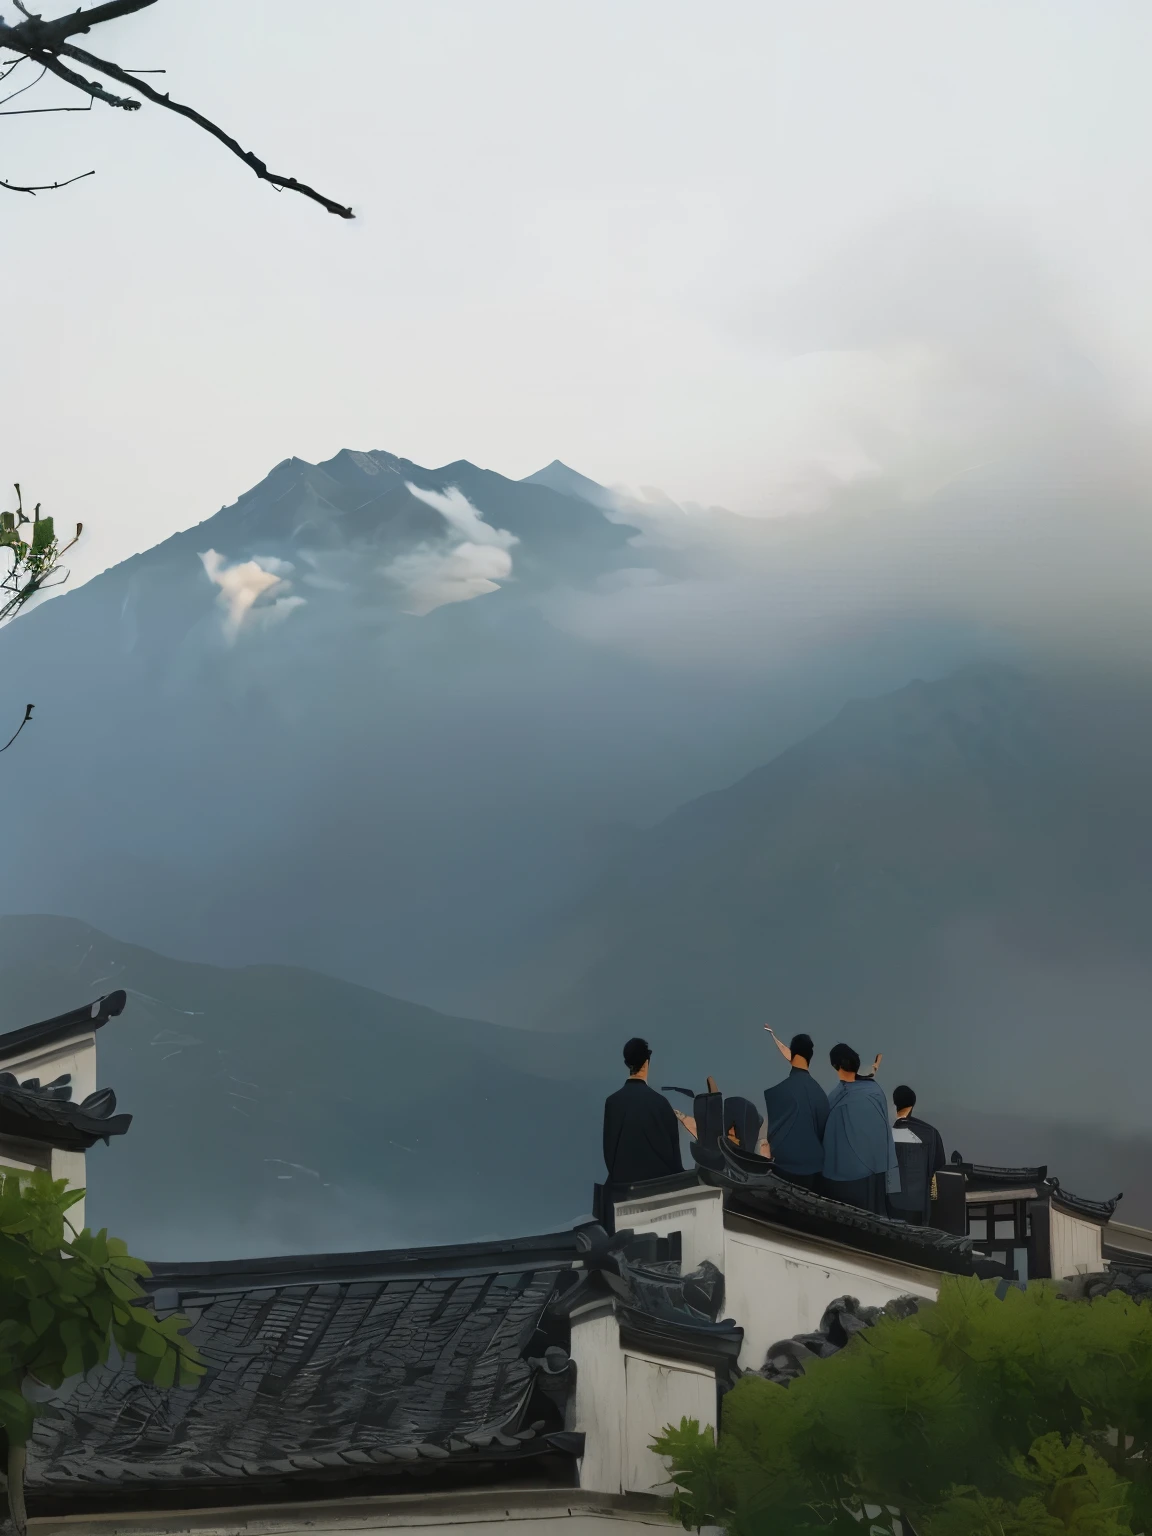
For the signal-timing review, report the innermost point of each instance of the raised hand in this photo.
(779, 1044)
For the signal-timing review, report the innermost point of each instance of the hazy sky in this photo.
(741, 251)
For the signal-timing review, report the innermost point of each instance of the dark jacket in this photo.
(797, 1114)
(641, 1135)
(920, 1153)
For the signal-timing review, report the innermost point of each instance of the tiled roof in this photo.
(981, 1179)
(332, 1374)
(751, 1188)
(356, 1366)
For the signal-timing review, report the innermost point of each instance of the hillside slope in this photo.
(277, 1110)
(955, 874)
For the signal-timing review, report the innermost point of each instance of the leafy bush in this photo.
(1021, 1414)
(65, 1298)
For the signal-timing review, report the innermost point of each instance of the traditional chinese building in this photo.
(517, 1380)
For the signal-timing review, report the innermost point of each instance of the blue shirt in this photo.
(857, 1138)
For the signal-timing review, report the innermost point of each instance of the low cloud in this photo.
(251, 591)
(949, 446)
(473, 557)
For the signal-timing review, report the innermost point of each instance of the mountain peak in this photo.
(557, 476)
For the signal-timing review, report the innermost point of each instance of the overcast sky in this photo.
(730, 250)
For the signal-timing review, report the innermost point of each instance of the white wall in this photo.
(623, 1399)
(776, 1285)
(77, 1057)
(1076, 1247)
(697, 1214)
(660, 1393)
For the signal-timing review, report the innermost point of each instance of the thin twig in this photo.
(47, 186)
(12, 95)
(114, 72)
(28, 708)
(32, 111)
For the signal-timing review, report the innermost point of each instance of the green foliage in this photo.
(34, 558)
(66, 1297)
(1029, 1415)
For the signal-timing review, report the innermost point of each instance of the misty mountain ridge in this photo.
(954, 874)
(278, 1110)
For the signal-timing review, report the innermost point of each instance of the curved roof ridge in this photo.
(65, 1026)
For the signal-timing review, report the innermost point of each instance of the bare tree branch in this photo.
(48, 186)
(44, 41)
(35, 32)
(91, 88)
(114, 72)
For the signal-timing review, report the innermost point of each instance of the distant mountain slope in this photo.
(277, 1110)
(955, 874)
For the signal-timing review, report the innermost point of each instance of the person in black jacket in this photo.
(920, 1153)
(641, 1136)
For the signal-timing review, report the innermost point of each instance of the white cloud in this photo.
(254, 591)
(472, 559)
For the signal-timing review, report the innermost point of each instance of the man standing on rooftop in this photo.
(797, 1113)
(920, 1152)
(860, 1166)
(641, 1136)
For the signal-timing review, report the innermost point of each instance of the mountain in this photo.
(277, 1110)
(385, 721)
(339, 723)
(955, 874)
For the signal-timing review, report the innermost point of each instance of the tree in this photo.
(34, 566)
(48, 43)
(990, 1413)
(35, 557)
(65, 1298)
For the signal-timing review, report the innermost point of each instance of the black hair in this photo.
(802, 1046)
(636, 1053)
(844, 1059)
(903, 1097)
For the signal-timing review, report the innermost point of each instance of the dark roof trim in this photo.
(715, 1345)
(65, 1026)
(1078, 1205)
(984, 1176)
(321, 1470)
(505, 1256)
(673, 1183)
(29, 1116)
(753, 1190)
